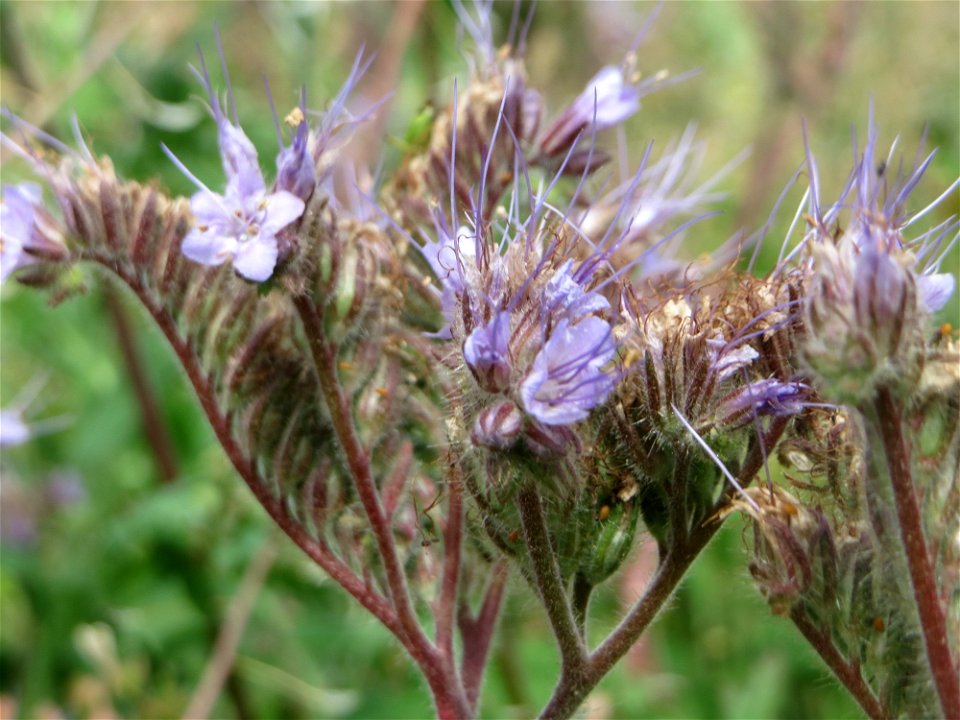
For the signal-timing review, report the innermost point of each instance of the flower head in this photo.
(870, 290)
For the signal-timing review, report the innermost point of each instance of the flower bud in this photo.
(551, 441)
(864, 319)
(613, 542)
(497, 427)
(485, 351)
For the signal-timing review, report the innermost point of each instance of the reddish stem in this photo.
(317, 551)
(847, 672)
(446, 607)
(477, 633)
(447, 693)
(922, 575)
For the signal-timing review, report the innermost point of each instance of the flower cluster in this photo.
(531, 326)
(580, 359)
(870, 291)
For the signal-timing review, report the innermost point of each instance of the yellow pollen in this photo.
(294, 118)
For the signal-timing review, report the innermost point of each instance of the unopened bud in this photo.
(550, 441)
(613, 543)
(497, 427)
(865, 322)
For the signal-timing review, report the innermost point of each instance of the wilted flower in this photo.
(698, 350)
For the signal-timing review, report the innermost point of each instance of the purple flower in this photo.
(296, 169)
(607, 101)
(17, 220)
(242, 226)
(934, 290)
(13, 428)
(243, 223)
(564, 297)
(566, 379)
(485, 351)
(763, 397)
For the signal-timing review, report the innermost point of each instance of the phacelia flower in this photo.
(567, 379)
(870, 292)
(296, 168)
(243, 223)
(17, 219)
(610, 98)
(763, 397)
(14, 430)
(486, 351)
(607, 101)
(528, 315)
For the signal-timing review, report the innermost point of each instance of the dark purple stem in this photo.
(847, 672)
(922, 576)
(375, 603)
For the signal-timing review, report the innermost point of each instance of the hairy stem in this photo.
(375, 603)
(582, 590)
(571, 691)
(448, 697)
(847, 672)
(477, 633)
(546, 573)
(446, 607)
(922, 576)
(444, 684)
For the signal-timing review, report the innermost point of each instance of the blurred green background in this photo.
(116, 570)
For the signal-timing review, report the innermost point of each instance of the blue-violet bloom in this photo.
(566, 379)
(17, 219)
